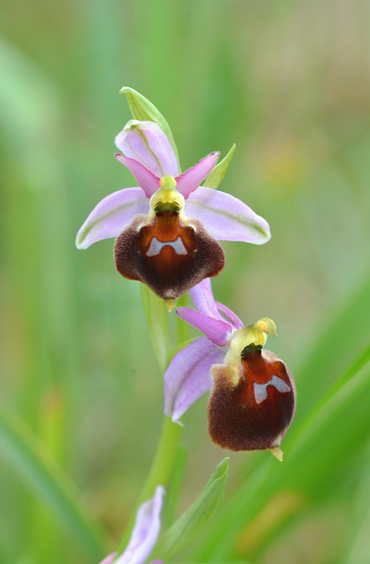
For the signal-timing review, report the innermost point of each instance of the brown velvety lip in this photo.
(256, 413)
(168, 256)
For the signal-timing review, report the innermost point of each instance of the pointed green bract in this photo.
(143, 110)
(216, 175)
(197, 517)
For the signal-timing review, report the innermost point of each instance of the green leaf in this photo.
(156, 317)
(334, 346)
(197, 517)
(142, 110)
(356, 548)
(216, 175)
(29, 458)
(320, 412)
(332, 433)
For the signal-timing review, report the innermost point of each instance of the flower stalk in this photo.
(165, 456)
(160, 472)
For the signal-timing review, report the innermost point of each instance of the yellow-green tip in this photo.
(266, 325)
(168, 182)
(278, 453)
(170, 304)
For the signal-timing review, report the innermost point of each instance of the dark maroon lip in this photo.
(167, 256)
(256, 413)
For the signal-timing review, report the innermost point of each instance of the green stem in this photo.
(183, 331)
(164, 460)
(165, 457)
(157, 320)
(160, 471)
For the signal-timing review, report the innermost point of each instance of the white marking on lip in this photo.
(260, 390)
(156, 246)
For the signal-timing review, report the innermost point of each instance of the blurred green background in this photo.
(289, 83)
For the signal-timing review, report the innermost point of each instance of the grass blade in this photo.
(48, 482)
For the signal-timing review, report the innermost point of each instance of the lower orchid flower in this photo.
(167, 228)
(253, 393)
(144, 535)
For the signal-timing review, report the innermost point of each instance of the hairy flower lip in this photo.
(172, 265)
(251, 408)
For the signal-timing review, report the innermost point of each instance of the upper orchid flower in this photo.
(144, 535)
(167, 227)
(253, 398)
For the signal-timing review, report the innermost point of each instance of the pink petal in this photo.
(147, 144)
(215, 330)
(112, 214)
(190, 180)
(146, 530)
(146, 180)
(226, 218)
(203, 299)
(231, 316)
(109, 559)
(188, 376)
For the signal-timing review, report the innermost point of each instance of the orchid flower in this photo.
(167, 228)
(144, 535)
(253, 394)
